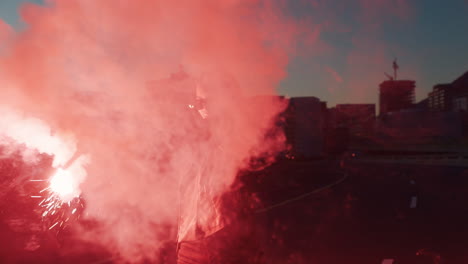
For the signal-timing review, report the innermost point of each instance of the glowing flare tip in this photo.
(64, 185)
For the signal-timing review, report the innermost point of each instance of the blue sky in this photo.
(9, 10)
(359, 39)
(356, 41)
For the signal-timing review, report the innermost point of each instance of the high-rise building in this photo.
(460, 100)
(450, 97)
(440, 97)
(396, 95)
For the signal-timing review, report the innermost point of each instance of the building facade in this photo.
(305, 122)
(451, 97)
(419, 126)
(440, 99)
(357, 118)
(396, 95)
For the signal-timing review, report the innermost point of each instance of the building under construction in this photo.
(396, 95)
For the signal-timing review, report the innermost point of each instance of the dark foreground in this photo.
(368, 218)
(357, 213)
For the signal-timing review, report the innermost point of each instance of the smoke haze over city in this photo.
(233, 131)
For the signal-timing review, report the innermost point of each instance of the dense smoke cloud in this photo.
(121, 79)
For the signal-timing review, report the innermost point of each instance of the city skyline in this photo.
(349, 46)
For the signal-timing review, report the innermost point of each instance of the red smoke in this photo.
(119, 76)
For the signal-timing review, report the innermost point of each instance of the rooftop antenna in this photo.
(395, 69)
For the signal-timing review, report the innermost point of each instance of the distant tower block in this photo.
(396, 95)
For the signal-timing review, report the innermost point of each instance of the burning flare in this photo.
(64, 185)
(31, 137)
(63, 193)
(62, 199)
(114, 79)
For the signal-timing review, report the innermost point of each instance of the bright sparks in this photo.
(61, 201)
(64, 185)
(61, 198)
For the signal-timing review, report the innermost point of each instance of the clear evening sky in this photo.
(352, 43)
